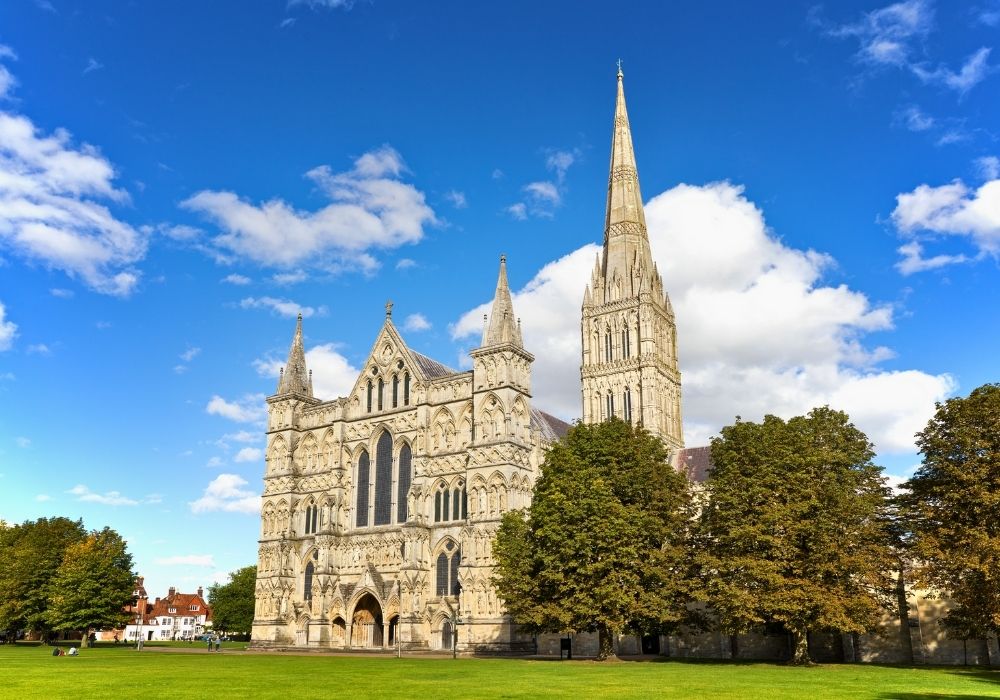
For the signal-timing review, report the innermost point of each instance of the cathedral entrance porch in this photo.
(366, 624)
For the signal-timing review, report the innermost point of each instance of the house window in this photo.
(194, 608)
(403, 483)
(361, 491)
(383, 480)
(171, 610)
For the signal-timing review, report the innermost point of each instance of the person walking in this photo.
(218, 642)
(208, 638)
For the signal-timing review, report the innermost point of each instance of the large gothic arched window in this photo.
(447, 570)
(361, 490)
(307, 583)
(403, 482)
(383, 480)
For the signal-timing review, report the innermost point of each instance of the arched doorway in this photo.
(393, 631)
(366, 624)
(446, 635)
(338, 636)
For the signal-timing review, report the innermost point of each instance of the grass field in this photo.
(118, 672)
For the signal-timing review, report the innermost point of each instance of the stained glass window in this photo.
(307, 584)
(383, 480)
(361, 489)
(442, 574)
(403, 483)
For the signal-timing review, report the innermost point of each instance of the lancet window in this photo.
(403, 481)
(383, 480)
(361, 489)
(447, 570)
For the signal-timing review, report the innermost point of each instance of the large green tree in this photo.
(603, 546)
(952, 504)
(93, 584)
(796, 529)
(30, 555)
(233, 602)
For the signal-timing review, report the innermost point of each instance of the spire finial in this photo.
(388, 309)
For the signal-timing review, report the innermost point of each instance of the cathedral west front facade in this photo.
(380, 507)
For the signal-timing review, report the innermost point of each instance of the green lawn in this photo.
(32, 672)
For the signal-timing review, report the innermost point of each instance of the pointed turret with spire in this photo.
(295, 378)
(502, 326)
(629, 367)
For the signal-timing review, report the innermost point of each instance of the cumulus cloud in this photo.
(333, 374)
(542, 197)
(282, 307)
(323, 4)
(518, 211)
(190, 354)
(249, 454)
(7, 81)
(8, 329)
(60, 293)
(52, 211)
(988, 167)
(109, 498)
(372, 208)
(248, 409)
(759, 331)
(915, 119)
(226, 493)
(238, 280)
(243, 436)
(457, 199)
(288, 278)
(39, 349)
(186, 560)
(405, 264)
(953, 210)
(913, 259)
(416, 323)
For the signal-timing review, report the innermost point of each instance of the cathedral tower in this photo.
(629, 364)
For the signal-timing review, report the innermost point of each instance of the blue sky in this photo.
(178, 180)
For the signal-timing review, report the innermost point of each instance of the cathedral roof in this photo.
(550, 427)
(431, 368)
(693, 462)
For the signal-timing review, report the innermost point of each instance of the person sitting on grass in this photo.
(73, 651)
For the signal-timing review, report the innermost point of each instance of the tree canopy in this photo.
(603, 546)
(795, 529)
(93, 583)
(233, 602)
(30, 555)
(952, 505)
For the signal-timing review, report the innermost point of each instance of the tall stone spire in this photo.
(627, 258)
(502, 327)
(295, 379)
(629, 364)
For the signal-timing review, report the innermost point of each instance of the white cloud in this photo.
(758, 330)
(287, 22)
(518, 211)
(333, 374)
(190, 354)
(543, 192)
(61, 293)
(326, 4)
(214, 462)
(23, 442)
(915, 119)
(497, 174)
(239, 436)
(110, 498)
(225, 493)
(405, 264)
(92, 65)
(969, 75)
(953, 209)
(282, 307)
(248, 409)
(988, 167)
(239, 280)
(43, 497)
(894, 35)
(372, 209)
(180, 232)
(50, 211)
(249, 454)
(8, 330)
(560, 162)
(286, 278)
(416, 323)
(39, 349)
(186, 560)
(913, 259)
(457, 199)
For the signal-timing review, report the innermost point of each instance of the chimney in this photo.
(200, 591)
(171, 592)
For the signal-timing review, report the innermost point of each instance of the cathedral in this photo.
(380, 507)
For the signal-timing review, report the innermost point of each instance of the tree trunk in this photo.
(605, 644)
(800, 649)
